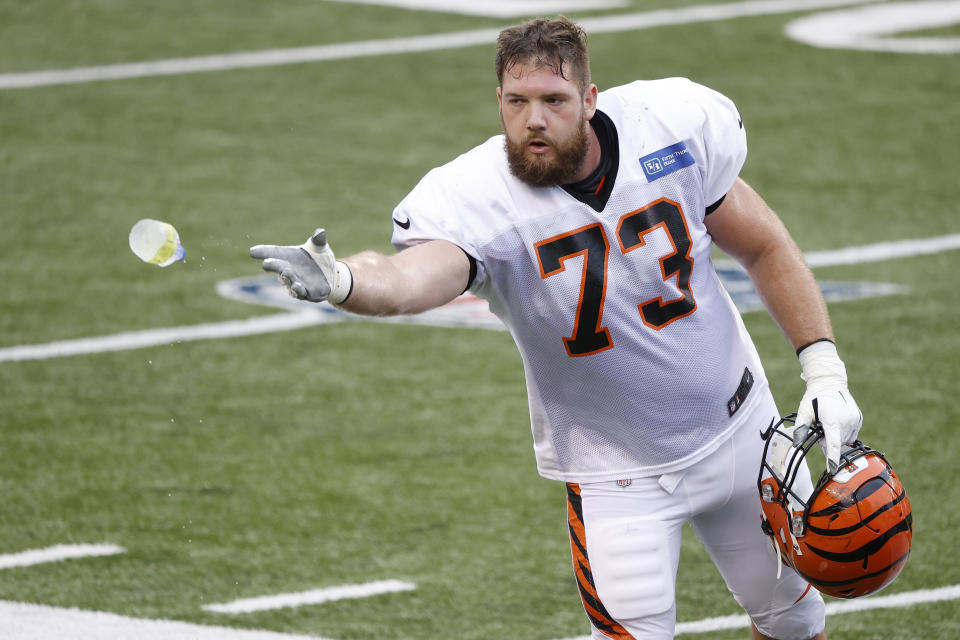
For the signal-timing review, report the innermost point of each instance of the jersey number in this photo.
(591, 243)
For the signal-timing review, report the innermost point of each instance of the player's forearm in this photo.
(415, 280)
(379, 288)
(791, 293)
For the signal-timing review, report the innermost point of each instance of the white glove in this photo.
(835, 408)
(310, 271)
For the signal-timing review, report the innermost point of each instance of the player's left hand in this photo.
(828, 400)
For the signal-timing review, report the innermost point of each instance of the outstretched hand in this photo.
(309, 271)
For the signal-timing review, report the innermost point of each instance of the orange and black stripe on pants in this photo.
(597, 613)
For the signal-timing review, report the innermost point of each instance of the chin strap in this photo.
(779, 560)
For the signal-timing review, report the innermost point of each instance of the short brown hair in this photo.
(546, 42)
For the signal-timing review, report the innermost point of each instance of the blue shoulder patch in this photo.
(666, 161)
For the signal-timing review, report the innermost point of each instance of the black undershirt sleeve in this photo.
(473, 270)
(714, 206)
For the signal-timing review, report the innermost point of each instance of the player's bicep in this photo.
(744, 226)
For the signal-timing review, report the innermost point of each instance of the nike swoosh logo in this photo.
(403, 225)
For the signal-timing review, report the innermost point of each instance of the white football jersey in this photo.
(636, 360)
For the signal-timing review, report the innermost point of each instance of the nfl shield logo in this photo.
(623, 483)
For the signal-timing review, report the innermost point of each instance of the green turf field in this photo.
(356, 452)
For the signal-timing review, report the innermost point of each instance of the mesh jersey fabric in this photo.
(632, 287)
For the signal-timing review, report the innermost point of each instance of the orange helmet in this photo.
(852, 535)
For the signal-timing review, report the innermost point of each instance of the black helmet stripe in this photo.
(868, 549)
(866, 489)
(846, 530)
(839, 583)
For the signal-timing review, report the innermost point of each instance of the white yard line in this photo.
(897, 601)
(440, 41)
(906, 599)
(883, 251)
(24, 621)
(167, 335)
(497, 8)
(705, 13)
(57, 553)
(313, 596)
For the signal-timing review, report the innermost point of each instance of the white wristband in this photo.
(820, 362)
(342, 283)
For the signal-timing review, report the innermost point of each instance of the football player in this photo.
(588, 227)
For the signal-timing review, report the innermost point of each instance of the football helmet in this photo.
(852, 535)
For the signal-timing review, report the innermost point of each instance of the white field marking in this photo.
(23, 621)
(313, 596)
(164, 336)
(297, 320)
(883, 251)
(877, 252)
(870, 28)
(57, 553)
(497, 8)
(906, 599)
(440, 41)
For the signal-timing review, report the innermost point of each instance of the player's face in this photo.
(545, 120)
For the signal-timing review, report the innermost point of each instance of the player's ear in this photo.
(590, 101)
(500, 99)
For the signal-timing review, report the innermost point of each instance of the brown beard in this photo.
(541, 172)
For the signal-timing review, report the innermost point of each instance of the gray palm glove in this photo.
(309, 271)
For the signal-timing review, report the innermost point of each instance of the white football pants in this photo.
(626, 535)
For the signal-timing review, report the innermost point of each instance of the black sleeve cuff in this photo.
(473, 270)
(714, 206)
(809, 344)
